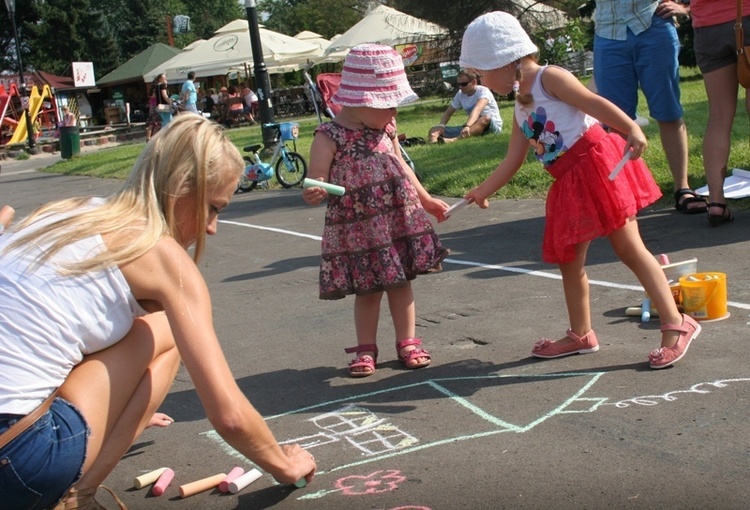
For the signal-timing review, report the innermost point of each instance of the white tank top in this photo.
(551, 126)
(48, 321)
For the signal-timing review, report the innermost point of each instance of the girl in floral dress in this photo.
(377, 236)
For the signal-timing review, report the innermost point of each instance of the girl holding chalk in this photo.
(377, 236)
(100, 301)
(559, 118)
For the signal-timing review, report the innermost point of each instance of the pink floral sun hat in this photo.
(374, 77)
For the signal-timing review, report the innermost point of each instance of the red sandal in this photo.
(664, 357)
(366, 361)
(548, 349)
(417, 352)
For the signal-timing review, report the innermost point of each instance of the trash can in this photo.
(70, 141)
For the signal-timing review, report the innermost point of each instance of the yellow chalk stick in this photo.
(142, 481)
(192, 488)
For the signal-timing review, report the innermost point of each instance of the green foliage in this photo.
(74, 35)
(324, 17)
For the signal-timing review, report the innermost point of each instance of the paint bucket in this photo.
(704, 296)
(674, 271)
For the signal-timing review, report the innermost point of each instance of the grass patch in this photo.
(451, 170)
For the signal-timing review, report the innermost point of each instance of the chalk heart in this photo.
(379, 481)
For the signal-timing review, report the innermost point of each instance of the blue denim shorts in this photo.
(648, 60)
(38, 466)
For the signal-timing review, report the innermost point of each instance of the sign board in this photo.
(181, 24)
(83, 74)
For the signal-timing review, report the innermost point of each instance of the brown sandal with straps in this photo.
(84, 500)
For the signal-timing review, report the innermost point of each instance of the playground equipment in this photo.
(8, 113)
(42, 111)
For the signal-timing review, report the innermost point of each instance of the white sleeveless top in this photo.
(551, 126)
(49, 321)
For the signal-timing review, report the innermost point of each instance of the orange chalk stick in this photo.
(192, 488)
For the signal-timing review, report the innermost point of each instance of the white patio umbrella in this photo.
(175, 62)
(230, 48)
(384, 25)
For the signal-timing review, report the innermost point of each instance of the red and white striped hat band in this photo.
(374, 77)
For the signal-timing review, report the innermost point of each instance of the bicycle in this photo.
(290, 167)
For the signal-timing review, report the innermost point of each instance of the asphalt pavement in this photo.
(486, 426)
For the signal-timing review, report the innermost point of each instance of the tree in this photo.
(25, 16)
(69, 31)
(324, 17)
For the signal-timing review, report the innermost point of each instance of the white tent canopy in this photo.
(230, 49)
(384, 25)
(175, 62)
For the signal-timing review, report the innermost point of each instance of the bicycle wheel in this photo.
(291, 169)
(245, 184)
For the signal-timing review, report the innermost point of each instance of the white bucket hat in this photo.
(494, 40)
(374, 77)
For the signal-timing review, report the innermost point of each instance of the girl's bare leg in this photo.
(119, 389)
(629, 247)
(576, 290)
(366, 317)
(404, 315)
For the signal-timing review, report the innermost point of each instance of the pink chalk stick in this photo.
(231, 476)
(162, 483)
(663, 259)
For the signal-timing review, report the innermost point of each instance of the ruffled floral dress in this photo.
(377, 236)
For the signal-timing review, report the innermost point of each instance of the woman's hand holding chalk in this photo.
(333, 189)
(163, 482)
(619, 166)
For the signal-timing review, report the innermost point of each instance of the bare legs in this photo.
(403, 313)
(119, 389)
(629, 247)
(721, 90)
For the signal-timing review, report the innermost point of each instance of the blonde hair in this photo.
(189, 157)
(523, 99)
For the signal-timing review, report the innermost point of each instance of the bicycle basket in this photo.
(289, 130)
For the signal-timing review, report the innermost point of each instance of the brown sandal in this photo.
(84, 500)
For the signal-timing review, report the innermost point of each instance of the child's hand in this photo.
(436, 207)
(477, 196)
(637, 142)
(314, 195)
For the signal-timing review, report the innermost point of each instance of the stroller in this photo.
(326, 87)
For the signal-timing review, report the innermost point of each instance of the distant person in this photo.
(716, 56)
(554, 113)
(210, 103)
(189, 94)
(164, 102)
(377, 238)
(636, 44)
(100, 302)
(250, 106)
(480, 107)
(68, 118)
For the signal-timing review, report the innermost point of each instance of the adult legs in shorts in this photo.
(649, 60)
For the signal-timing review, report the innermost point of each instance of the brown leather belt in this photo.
(27, 421)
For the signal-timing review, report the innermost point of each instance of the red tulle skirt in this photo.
(583, 203)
